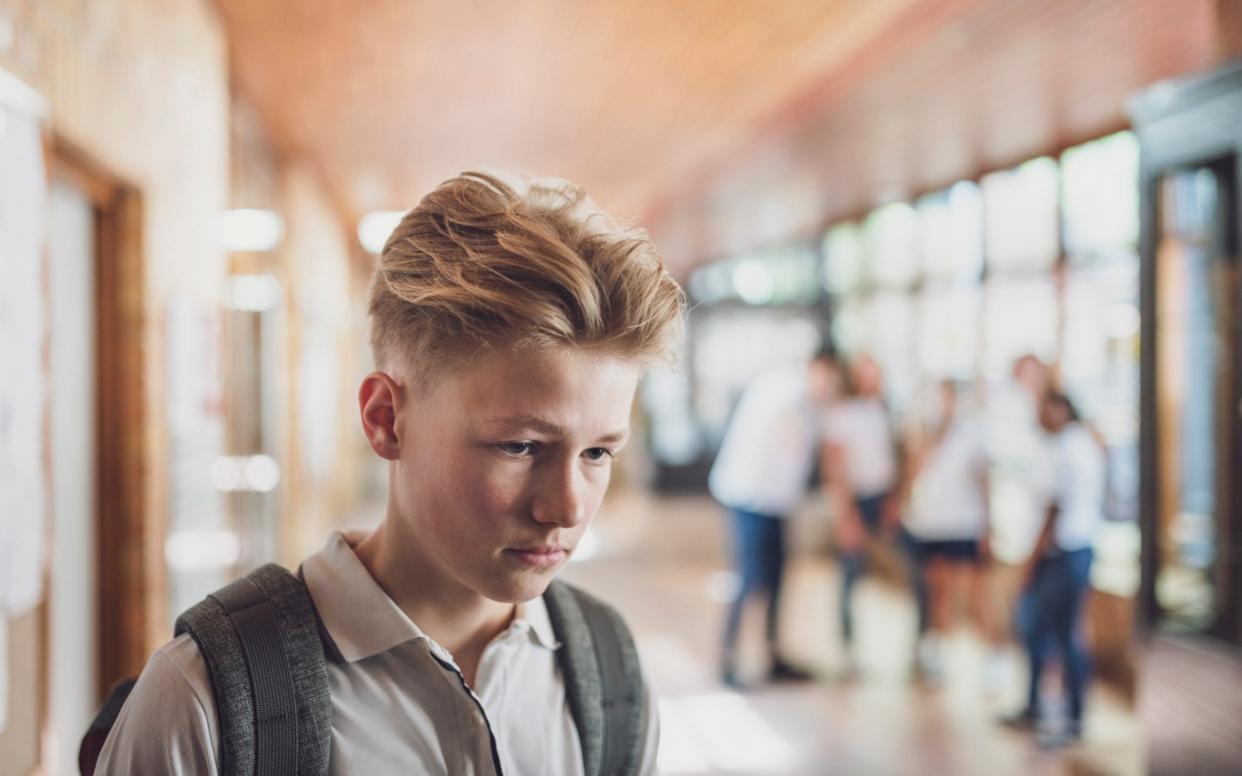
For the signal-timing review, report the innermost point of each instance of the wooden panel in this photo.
(131, 561)
(131, 589)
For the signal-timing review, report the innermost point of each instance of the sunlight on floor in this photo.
(718, 732)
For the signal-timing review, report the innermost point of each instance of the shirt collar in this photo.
(363, 621)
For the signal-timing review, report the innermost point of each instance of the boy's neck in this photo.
(456, 618)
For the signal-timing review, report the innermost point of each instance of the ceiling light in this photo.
(250, 229)
(374, 228)
(253, 293)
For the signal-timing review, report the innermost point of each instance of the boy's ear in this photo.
(378, 398)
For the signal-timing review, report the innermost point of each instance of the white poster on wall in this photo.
(23, 203)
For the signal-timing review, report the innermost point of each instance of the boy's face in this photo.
(504, 462)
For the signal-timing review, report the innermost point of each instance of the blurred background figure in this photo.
(860, 466)
(1058, 571)
(946, 516)
(761, 475)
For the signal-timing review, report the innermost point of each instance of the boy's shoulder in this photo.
(168, 722)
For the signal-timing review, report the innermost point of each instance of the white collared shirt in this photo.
(399, 703)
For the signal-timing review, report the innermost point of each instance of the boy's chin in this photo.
(520, 590)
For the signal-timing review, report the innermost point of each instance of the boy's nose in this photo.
(560, 498)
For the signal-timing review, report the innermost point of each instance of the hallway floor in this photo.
(663, 562)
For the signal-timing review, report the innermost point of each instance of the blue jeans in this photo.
(759, 557)
(871, 511)
(1051, 611)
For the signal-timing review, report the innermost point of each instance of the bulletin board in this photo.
(24, 466)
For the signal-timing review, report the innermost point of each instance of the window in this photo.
(1021, 232)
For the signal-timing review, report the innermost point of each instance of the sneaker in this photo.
(729, 678)
(1025, 721)
(928, 665)
(782, 671)
(995, 673)
(1063, 736)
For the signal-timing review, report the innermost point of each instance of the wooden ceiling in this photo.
(944, 95)
(390, 97)
(720, 124)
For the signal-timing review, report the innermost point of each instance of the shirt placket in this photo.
(472, 718)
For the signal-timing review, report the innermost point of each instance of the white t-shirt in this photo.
(860, 426)
(764, 463)
(395, 707)
(1021, 471)
(1078, 487)
(947, 500)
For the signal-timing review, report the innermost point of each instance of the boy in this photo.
(510, 325)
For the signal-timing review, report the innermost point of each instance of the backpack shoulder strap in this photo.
(603, 680)
(93, 741)
(260, 639)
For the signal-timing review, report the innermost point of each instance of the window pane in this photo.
(1100, 197)
(1019, 317)
(849, 325)
(786, 275)
(843, 258)
(947, 333)
(1100, 367)
(734, 344)
(951, 232)
(1020, 208)
(889, 321)
(891, 235)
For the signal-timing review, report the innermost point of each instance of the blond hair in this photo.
(482, 263)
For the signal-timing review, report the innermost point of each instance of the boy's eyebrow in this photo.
(547, 427)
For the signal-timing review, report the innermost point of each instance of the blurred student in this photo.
(761, 475)
(947, 521)
(860, 468)
(1058, 570)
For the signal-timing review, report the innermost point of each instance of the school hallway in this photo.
(905, 225)
(663, 561)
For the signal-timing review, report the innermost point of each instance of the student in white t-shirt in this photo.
(947, 521)
(1058, 570)
(860, 468)
(761, 474)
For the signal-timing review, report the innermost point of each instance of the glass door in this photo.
(1197, 315)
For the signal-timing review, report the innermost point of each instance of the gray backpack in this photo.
(266, 654)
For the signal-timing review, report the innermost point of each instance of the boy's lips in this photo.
(542, 555)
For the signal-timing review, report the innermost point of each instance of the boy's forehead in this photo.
(551, 426)
(549, 385)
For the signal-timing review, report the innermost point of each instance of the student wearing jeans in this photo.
(860, 469)
(761, 474)
(1058, 571)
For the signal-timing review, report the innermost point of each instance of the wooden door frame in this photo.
(128, 559)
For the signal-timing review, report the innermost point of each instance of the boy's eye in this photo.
(517, 448)
(597, 453)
